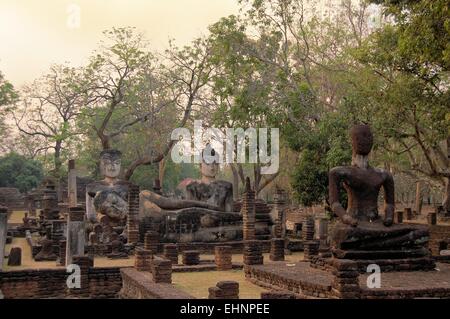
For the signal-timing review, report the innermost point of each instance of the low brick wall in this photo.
(438, 234)
(139, 285)
(51, 283)
(208, 248)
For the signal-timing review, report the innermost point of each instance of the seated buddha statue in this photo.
(106, 200)
(361, 233)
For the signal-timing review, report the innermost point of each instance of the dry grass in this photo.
(197, 283)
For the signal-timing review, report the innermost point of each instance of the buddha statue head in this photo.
(110, 161)
(362, 139)
(362, 142)
(210, 164)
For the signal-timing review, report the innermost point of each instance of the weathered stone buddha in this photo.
(208, 188)
(199, 217)
(361, 232)
(106, 200)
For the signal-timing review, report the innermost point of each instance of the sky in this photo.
(36, 34)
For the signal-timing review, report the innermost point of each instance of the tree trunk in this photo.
(418, 202)
(57, 173)
(161, 171)
(235, 182)
(446, 201)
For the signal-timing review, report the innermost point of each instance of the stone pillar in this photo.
(345, 284)
(133, 211)
(151, 241)
(162, 270)
(3, 231)
(323, 229)
(277, 249)
(223, 257)
(62, 253)
(170, 252)
(398, 217)
(432, 218)
(84, 262)
(72, 184)
(190, 257)
(15, 256)
(75, 233)
(143, 259)
(279, 206)
(308, 228)
(253, 253)
(224, 290)
(408, 213)
(310, 248)
(248, 212)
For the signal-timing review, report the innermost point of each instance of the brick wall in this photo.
(139, 285)
(51, 283)
(438, 233)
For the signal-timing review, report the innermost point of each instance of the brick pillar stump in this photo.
(133, 211)
(151, 241)
(143, 260)
(277, 249)
(170, 252)
(310, 248)
(224, 290)
(345, 284)
(162, 270)
(432, 218)
(248, 212)
(190, 257)
(15, 256)
(62, 253)
(398, 217)
(223, 257)
(408, 213)
(308, 228)
(253, 253)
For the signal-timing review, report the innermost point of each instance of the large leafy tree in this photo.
(7, 96)
(20, 172)
(406, 95)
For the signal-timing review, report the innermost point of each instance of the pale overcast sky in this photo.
(34, 34)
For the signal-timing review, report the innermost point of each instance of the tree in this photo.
(7, 96)
(408, 95)
(47, 112)
(20, 172)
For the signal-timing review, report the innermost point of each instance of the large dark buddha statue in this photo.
(361, 231)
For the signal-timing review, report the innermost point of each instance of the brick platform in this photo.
(308, 282)
(139, 285)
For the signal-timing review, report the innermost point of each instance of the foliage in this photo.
(20, 172)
